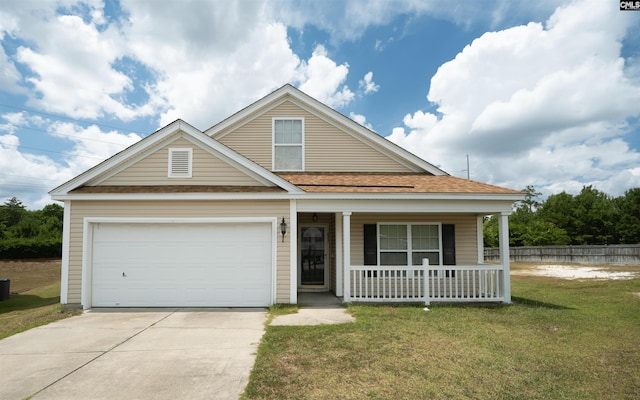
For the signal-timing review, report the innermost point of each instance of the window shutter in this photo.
(180, 163)
(370, 244)
(449, 245)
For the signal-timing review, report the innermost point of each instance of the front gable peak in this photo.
(169, 157)
(330, 140)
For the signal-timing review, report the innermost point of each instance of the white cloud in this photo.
(68, 60)
(535, 105)
(323, 79)
(10, 77)
(14, 121)
(361, 119)
(205, 92)
(26, 176)
(420, 120)
(91, 145)
(367, 84)
(29, 176)
(348, 20)
(201, 61)
(217, 58)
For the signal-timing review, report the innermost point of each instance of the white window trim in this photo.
(409, 249)
(170, 162)
(273, 143)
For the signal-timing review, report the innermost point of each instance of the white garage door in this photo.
(183, 265)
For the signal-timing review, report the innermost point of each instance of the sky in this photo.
(543, 93)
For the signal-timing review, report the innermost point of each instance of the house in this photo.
(284, 196)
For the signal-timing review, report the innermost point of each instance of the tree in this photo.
(523, 217)
(559, 209)
(591, 217)
(628, 221)
(51, 221)
(30, 234)
(12, 212)
(490, 231)
(531, 198)
(594, 216)
(543, 233)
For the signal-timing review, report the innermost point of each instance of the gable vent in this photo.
(180, 163)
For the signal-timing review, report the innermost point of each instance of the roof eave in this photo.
(504, 197)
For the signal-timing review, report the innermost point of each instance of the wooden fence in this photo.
(611, 254)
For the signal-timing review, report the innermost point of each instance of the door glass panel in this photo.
(312, 255)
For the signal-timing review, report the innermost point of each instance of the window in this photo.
(180, 161)
(408, 244)
(288, 141)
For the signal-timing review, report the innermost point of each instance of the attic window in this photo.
(288, 139)
(180, 161)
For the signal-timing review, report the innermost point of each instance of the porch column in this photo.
(480, 235)
(339, 259)
(346, 254)
(66, 237)
(293, 252)
(503, 234)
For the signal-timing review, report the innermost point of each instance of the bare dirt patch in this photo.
(29, 274)
(577, 271)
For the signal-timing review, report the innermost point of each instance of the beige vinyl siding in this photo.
(327, 148)
(206, 170)
(253, 140)
(465, 228)
(177, 209)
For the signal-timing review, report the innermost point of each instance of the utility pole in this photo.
(468, 171)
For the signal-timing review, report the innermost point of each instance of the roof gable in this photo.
(111, 170)
(328, 115)
(152, 167)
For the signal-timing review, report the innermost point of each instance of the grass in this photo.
(560, 339)
(35, 295)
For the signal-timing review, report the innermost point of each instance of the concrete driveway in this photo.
(134, 354)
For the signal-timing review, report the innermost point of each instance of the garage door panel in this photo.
(182, 265)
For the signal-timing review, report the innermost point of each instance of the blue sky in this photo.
(542, 94)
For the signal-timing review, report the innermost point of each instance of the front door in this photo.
(313, 266)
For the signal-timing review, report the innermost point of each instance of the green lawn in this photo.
(35, 295)
(560, 339)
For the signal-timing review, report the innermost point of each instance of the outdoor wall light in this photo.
(283, 228)
(314, 218)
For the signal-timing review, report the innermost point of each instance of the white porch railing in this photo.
(480, 283)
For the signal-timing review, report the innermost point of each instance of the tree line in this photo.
(30, 234)
(590, 217)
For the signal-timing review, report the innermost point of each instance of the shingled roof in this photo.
(348, 182)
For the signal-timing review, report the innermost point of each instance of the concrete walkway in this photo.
(134, 354)
(316, 309)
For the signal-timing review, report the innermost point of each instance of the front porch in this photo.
(346, 265)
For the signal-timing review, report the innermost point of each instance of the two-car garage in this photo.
(178, 263)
